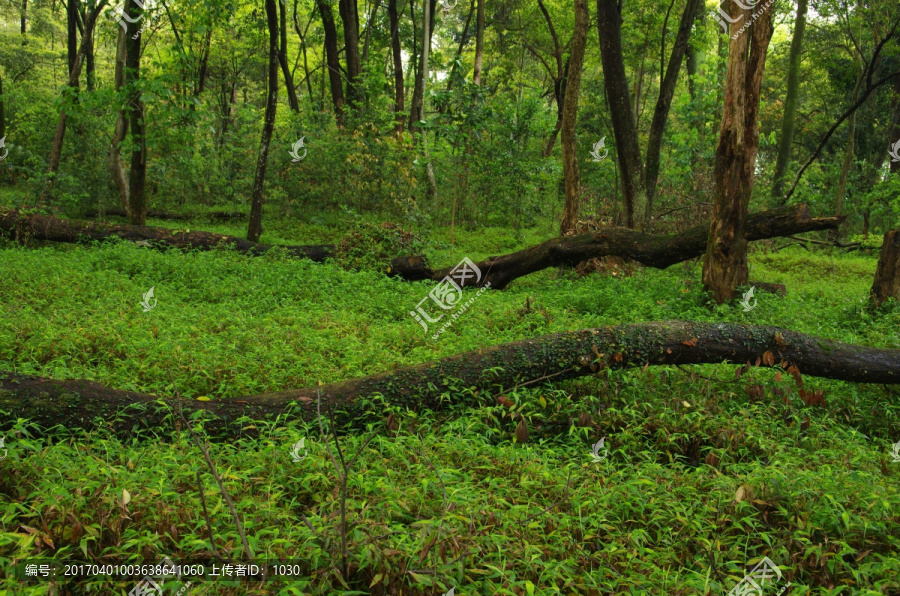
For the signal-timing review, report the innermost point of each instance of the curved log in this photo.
(654, 251)
(560, 356)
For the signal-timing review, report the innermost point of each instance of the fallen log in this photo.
(654, 251)
(211, 215)
(47, 227)
(488, 371)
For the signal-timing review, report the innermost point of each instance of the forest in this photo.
(449, 297)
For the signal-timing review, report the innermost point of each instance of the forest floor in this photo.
(702, 474)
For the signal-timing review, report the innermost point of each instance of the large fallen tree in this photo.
(492, 370)
(653, 251)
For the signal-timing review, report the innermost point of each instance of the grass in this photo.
(704, 476)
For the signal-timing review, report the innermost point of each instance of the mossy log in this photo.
(47, 227)
(487, 371)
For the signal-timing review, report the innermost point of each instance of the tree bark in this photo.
(615, 82)
(349, 12)
(332, 60)
(561, 356)
(137, 174)
(114, 160)
(790, 101)
(255, 229)
(71, 37)
(417, 113)
(664, 101)
(479, 43)
(293, 102)
(570, 116)
(847, 161)
(887, 275)
(725, 264)
(398, 64)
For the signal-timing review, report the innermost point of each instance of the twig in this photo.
(212, 468)
(544, 378)
(212, 541)
(342, 474)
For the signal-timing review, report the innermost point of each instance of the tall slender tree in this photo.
(293, 102)
(137, 174)
(570, 115)
(255, 229)
(332, 61)
(396, 56)
(786, 140)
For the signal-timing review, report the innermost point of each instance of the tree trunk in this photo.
(457, 57)
(725, 265)
(23, 21)
(557, 357)
(293, 102)
(570, 116)
(653, 251)
(634, 193)
(664, 101)
(848, 150)
(71, 37)
(114, 160)
(137, 175)
(398, 64)
(255, 229)
(790, 101)
(417, 112)
(887, 275)
(350, 17)
(479, 43)
(332, 60)
(369, 24)
(59, 136)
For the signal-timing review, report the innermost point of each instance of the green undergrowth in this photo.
(703, 473)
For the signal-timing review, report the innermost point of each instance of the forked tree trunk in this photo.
(615, 82)
(725, 265)
(137, 175)
(786, 141)
(255, 229)
(887, 275)
(59, 136)
(114, 160)
(570, 116)
(664, 101)
(558, 357)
